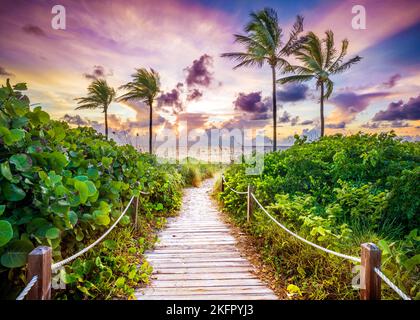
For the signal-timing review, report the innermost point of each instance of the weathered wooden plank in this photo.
(205, 283)
(200, 270)
(206, 290)
(157, 261)
(188, 264)
(202, 276)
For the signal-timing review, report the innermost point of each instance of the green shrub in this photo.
(338, 192)
(64, 187)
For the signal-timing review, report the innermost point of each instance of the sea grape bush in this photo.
(63, 187)
(339, 191)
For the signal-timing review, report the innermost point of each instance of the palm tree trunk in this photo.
(322, 109)
(274, 109)
(106, 123)
(150, 128)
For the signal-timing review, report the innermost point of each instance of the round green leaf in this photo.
(12, 192)
(16, 254)
(52, 233)
(21, 161)
(6, 232)
(125, 220)
(5, 171)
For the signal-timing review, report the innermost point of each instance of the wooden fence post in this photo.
(39, 264)
(250, 204)
(370, 282)
(223, 184)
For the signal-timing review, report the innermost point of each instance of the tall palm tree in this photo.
(100, 95)
(144, 87)
(263, 44)
(320, 61)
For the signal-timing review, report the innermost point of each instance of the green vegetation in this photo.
(194, 171)
(63, 188)
(338, 192)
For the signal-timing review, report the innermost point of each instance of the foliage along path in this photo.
(196, 257)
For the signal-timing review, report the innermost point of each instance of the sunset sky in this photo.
(183, 41)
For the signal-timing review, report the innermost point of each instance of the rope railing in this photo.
(338, 254)
(367, 252)
(28, 287)
(391, 284)
(57, 265)
(236, 191)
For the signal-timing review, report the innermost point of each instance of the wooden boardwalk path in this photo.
(196, 257)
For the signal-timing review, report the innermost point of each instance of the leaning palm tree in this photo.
(319, 61)
(263, 44)
(100, 95)
(144, 87)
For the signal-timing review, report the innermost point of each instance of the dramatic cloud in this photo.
(392, 81)
(400, 111)
(350, 104)
(97, 73)
(373, 125)
(399, 124)
(199, 73)
(172, 99)
(292, 92)
(194, 94)
(4, 72)
(340, 125)
(33, 30)
(284, 118)
(252, 103)
(306, 122)
(76, 119)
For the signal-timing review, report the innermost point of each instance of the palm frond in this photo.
(100, 95)
(145, 86)
(293, 43)
(296, 78)
(330, 87)
(330, 51)
(343, 67)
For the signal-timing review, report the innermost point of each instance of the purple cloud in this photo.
(400, 111)
(399, 124)
(392, 81)
(172, 99)
(306, 122)
(194, 94)
(33, 30)
(97, 73)
(199, 73)
(373, 125)
(349, 104)
(340, 125)
(4, 72)
(77, 120)
(252, 103)
(292, 92)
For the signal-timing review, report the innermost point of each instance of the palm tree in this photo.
(320, 61)
(263, 45)
(100, 95)
(144, 87)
